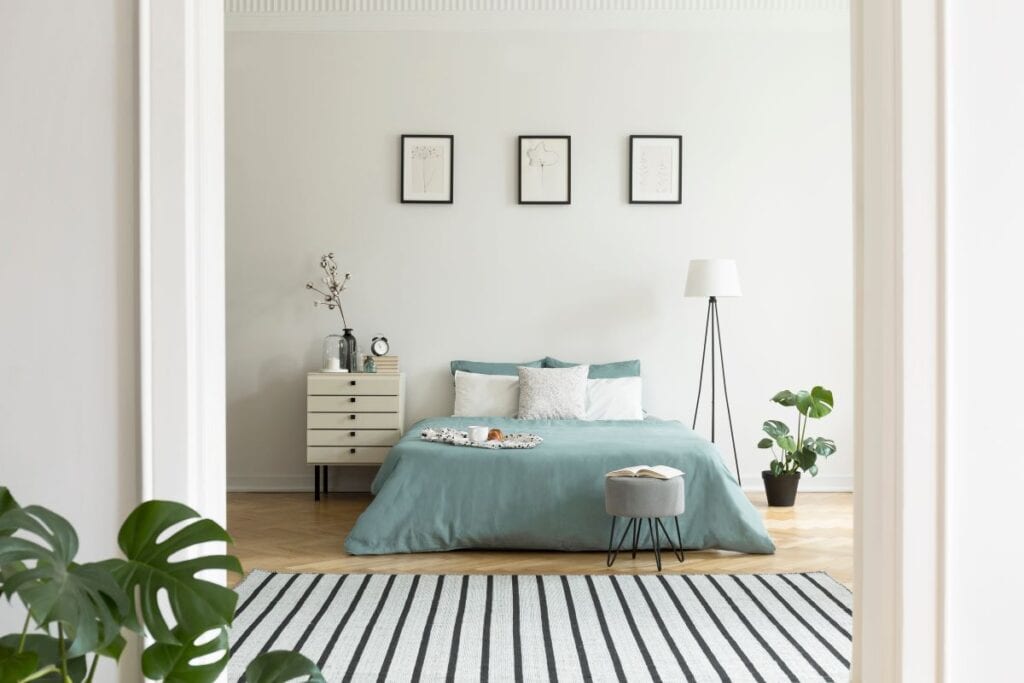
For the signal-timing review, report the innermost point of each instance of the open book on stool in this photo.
(649, 471)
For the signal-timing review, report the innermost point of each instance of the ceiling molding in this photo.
(402, 6)
(464, 15)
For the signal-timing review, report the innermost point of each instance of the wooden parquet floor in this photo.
(290, 532)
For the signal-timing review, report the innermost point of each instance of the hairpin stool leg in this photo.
(612, 555)
(678, 552)
(655, 540)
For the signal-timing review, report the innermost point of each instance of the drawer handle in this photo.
(351, 433)
(352, 383)
(352, 451)
(352, 400)
(351, 417)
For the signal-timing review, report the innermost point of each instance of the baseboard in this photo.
(351, 481)
(358, 481)
(808, 484)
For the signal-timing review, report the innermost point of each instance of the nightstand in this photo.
(351, 419)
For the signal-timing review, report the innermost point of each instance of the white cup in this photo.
(477, 434)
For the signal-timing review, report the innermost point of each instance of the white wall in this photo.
(985, 471)
(67, 264)
(313, 120)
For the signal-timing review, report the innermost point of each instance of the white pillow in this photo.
(615, 399)
(479, 395)
(553, 393)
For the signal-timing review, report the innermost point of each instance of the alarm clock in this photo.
(379, 346)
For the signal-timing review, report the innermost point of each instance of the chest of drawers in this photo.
(351, 419)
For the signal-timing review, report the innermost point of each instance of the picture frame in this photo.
(655, 169)
(427, 169)
(545, 169)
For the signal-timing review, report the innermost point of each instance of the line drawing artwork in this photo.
(430, 159)
(541, 157)
(654, 170)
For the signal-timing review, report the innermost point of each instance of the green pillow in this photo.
(623, 368)
(493, 368)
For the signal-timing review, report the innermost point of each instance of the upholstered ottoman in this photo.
(644, 498)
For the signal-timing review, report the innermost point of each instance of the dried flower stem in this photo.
(335, 286)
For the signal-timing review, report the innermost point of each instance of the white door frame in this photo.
(901, 322)
(900, 475)
(181, 252)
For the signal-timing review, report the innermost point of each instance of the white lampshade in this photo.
(713, 277)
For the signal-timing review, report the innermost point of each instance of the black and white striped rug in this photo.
(401, 627)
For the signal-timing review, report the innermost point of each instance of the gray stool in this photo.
(640, 498)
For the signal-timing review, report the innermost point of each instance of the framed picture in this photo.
(545, 169)
(655, 169)
(427, 169)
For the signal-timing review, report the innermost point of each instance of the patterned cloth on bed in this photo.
(457, 437)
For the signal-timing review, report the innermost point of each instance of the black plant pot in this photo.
(781, 490)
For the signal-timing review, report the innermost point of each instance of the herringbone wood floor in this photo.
(290, 532)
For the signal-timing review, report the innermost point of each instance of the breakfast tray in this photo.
(457, 437)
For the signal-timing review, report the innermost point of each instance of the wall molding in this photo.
(359, 482)
(432, 6)
(341, 481)
(419, 15)
(809, 485)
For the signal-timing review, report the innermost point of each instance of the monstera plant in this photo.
(795, 452)
(80, 612)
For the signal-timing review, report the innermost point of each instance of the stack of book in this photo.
(386, 364)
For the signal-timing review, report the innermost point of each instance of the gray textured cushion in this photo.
(643, 496)
(553, 394)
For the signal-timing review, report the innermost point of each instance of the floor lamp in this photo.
(714, 278)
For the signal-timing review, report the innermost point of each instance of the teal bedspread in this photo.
(433, 496)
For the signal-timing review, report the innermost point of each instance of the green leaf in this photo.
(49, 527)
(47, 652)
(804, 458)
(785, 398)
(821, 446)
(198, 605)
(816, 403)
(775, 429)
(7, 501)
(765, 443)
(83, 597)
(777, 467)
(787, 442)
(15, 666)
(172, 662)
(280, 665)
(113, 649)
(813, 470)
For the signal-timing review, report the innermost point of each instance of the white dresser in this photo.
(351, 419)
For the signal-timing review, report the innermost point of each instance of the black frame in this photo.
(451, 169)
(568, 167)
(679, 170)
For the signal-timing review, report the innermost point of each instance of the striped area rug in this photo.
(402, 627)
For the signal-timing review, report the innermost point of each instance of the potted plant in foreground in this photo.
(796, 452)
(78, 613)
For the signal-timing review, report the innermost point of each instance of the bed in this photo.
(435, 497)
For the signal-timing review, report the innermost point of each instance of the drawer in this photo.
(352, 404)
(352, 385)
(352, 437)
(352, 421)
(355, 455)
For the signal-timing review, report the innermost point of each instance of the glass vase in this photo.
(350, 352)
(335, 348)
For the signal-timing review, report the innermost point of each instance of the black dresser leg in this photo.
(316, 482)
(326, 469)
